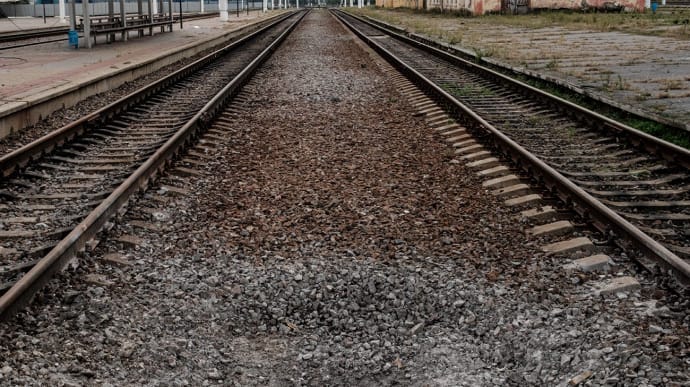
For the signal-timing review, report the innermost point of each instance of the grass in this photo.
(455, 39)
(643, 96)
(611, 85)
(467, 30)
(673, 135)
(467, 91)
(660, 24)
(551, 65)
(672, 84)
(638, 23)
(482, 53)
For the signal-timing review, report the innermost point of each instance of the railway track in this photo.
(26, 38)
(12, 36)
(60, 190)
(633, 187)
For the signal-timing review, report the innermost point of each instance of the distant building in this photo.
(480, 7)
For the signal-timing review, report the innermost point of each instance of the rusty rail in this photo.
(22, 292)
(605, 219)
(19, 158)
(651, 144)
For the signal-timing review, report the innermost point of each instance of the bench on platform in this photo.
(110, 25)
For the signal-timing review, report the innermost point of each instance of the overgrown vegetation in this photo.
(672, 24)
(645, 23)
(673, 135)
(638, 23)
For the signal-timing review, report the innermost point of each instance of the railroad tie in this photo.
(546, 223)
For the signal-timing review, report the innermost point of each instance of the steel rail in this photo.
(531, 75)
(33, 33)
(19, 158)
(21, 293)
(605, 219)
(651, 144)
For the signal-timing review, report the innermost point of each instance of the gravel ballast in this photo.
(332, 239)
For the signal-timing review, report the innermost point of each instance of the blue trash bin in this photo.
(73, 38)
(654, 5)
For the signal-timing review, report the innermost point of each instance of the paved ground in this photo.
(647, 72)
(34, 71)
(331, 238)
(14, 24)
(25, 23)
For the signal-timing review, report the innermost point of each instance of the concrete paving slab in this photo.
(592, 263)
(582, 244)
(474, 156)
(475, 149)
(618, 285)
(643, 73)
(557, 228)
(512, 191)
(489, 162)
(34, 74)
(494, 171)
(522, 201)
(501, 182)
(540, 214)
(460, 137)
(17, 24)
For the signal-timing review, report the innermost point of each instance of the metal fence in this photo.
(101, 8)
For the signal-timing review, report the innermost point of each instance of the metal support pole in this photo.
(87, 22)
(123, 20)
(171, 10)
(237, 7)
(72, 15)
(180, 14)
(140, 13)
(61, 7)
(265, 5)
(111, 17)
(202, 5)
(150, 16)
(223, 9)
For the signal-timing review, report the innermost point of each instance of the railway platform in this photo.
(16, 24)
(329, 225)
(646, 74)
(47, 77)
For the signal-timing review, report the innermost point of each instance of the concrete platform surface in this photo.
(35, 73)
(643, 72)
(17, 24)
